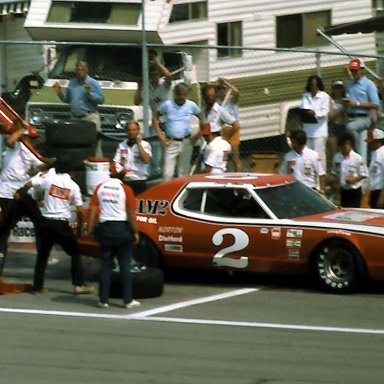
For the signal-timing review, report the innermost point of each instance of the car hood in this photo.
(348, 218)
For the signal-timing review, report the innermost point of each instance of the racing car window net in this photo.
(294, 200)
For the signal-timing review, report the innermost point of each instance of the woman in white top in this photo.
(315, 108)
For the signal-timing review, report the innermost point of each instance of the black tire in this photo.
(76, 155)
(146, 283)
(339, 267)
(146, 253)
(70, 134)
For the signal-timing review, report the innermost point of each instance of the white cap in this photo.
(377, 134)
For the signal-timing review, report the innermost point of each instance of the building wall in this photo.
(17, 60)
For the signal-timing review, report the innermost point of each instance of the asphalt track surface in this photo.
(206, 328)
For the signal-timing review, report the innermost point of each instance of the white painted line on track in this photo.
(202, 300)
(148, 316)
(138, 315)
(265, 325)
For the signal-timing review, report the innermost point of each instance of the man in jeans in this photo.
(116, 232)
(362, 96)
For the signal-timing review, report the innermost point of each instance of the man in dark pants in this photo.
(59, 192)
(116, 232)
(18, 165)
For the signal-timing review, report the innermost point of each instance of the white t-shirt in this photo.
(376, 170)
(157, 95)
(320, 104)
(17, 162)
(219, 115)
(304, 167)
(128, 159)
(352, 165)
(216, 155)
(60, 192)
(114, 199)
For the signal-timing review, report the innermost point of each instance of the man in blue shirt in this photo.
(83, 94)
(178, 138)
(362, 97)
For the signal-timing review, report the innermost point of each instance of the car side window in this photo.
(232, 202)
(193, 199)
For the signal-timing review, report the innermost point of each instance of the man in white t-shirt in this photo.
(60, 192)
(350, 169)
(216, 151)
(19, 164)
(376, 169)
(303, 163)
(132, 158)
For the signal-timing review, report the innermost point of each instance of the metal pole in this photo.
(341, 49)
(318, 64)
(144, 72)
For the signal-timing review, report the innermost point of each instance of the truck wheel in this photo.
(77, 155)
(70, 134)
(147, 282)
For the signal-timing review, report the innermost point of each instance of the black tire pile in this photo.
(77, 140)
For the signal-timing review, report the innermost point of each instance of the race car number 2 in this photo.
(223, 257)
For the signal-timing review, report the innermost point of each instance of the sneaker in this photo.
(133, 304)
(53, 261)
(36, 291)
(83, 289)
(102, 305)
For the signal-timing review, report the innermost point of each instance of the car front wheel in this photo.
(338, 267)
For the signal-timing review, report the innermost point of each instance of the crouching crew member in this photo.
(116, 232)
(60, 191)
(132, 158)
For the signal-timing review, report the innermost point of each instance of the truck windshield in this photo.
(104, 63)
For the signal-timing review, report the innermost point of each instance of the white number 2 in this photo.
(241, 241)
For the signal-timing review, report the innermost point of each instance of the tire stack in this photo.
(77, 140)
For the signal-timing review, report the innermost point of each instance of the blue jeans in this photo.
(115, 238)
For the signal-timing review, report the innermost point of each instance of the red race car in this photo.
(260, 223)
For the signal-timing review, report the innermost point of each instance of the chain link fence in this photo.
(271, 83)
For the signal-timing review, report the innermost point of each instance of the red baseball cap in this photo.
(356, 64)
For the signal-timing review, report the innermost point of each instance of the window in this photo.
(299, 30)
(188, 11)
(230, 34)
(89, 12)
(378, 7)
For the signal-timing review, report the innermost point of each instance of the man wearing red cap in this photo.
(362, 96)
(217, 150)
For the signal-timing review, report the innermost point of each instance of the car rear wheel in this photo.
(146, 253)
(339, 267)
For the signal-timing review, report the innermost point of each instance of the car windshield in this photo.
(104, 63)
(293, 200)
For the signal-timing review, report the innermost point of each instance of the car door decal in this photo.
(222, 258)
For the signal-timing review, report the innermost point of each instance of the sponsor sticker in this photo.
(275, 233)
(173, 248)
(293, 232)
(293, 243)
(293, 253)
(264, 231)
